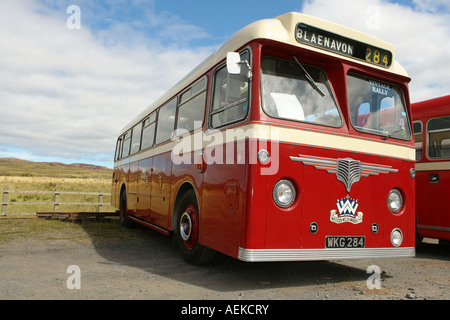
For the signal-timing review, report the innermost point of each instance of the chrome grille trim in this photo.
(267, 255)
(347, 170)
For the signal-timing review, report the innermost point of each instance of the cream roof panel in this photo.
(282, 29)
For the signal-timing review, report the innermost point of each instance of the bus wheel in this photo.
(187, 232)
(123, 216)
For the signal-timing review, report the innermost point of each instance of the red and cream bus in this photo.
(292, 141)
(432, 136)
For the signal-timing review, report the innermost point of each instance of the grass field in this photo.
(38, 176)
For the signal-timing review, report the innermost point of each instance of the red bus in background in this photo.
(432, 136)
(292, 141)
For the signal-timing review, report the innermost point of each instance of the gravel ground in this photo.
(149, 267)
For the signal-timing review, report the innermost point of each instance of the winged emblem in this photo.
(347, 170)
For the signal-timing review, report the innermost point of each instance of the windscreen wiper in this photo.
(310, 79)
(390, 135)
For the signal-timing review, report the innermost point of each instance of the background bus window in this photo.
(148, 131)
(418, 137)
(363, 114)
(166, 121)
(191, 110)
(136, 139)
(387, 112)
(126, 144)
(439, 138)
(230, 97)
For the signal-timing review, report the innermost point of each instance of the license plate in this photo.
(345, 242)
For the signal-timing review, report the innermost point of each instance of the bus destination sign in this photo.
(341, 45)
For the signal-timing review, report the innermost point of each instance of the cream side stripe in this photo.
(281, 134)
(428, 166)
(344, 143)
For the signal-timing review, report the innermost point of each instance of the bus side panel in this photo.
(122, 173)
(144, 189)
(185, 173)
(223, 201)
(421, 199)
(115, 189)
(433, 203)
(133, 179)
(161, 180)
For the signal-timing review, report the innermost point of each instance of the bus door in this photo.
(224, 178)
(160, 189)
(437, 184)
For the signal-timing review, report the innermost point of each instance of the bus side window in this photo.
(126, 144)
(230, 97)
(439, 138)
(418, 137)
(148, 131)
(191, 110)
(166, 121)
(118, 149)
(136, 139)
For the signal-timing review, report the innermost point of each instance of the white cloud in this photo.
(434, 6)
(68, 93)
(420, 35)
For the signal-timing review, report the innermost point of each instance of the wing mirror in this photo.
(234, 65)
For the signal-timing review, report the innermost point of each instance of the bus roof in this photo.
(431, 108)
(283, 29)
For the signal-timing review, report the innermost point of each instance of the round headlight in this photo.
(284, 193)
(395, 200)
(396, 237)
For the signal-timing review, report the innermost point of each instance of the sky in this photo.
(73, 73)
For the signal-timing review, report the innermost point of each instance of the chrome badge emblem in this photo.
(347, 170)
(346, 212)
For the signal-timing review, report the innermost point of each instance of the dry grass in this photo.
(96, 185)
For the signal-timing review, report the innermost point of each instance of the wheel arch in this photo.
(185, 186)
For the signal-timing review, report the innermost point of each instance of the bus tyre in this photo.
(187, 232)
(123, 212)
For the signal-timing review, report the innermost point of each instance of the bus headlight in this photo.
(396, 237)
(284, 193)
(395, 200)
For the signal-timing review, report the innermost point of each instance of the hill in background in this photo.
(24, 168)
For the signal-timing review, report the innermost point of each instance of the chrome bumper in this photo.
(261, 255)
